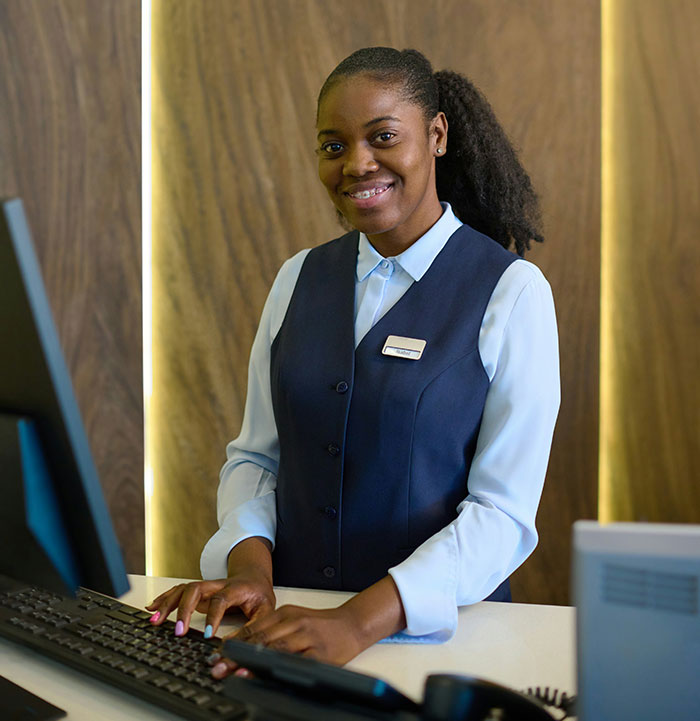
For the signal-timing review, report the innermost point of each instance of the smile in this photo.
(364, 194)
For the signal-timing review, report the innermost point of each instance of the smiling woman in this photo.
(378, 163)
(403, 382)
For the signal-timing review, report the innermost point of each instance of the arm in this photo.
(236, 562)
(495, 528)
(246, 494)
(333, 635)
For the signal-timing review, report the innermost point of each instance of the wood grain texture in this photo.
(651, 432)
(70, 147)
(234, 89)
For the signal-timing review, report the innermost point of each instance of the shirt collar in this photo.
(416, 259)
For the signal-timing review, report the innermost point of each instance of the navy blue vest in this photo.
(375, 450)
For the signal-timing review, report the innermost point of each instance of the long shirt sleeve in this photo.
(494, 530)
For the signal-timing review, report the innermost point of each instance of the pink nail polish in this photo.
(219, 670)
(179, 628)
(154, 618)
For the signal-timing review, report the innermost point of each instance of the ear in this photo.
(438, 135)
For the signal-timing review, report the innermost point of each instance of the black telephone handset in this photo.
(463, 698)
(292, 688)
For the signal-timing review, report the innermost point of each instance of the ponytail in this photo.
(480, 175)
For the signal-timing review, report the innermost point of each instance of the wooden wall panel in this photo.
(650, 450)
(235, 193)
(70, 147)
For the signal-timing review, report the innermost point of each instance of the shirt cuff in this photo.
(427, 584)
(256, 517)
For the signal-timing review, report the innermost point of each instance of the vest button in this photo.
(329, 572)
(330, 512)
(341, 387)
(333, 449)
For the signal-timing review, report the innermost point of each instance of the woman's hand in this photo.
(333, 635)
(248, 589)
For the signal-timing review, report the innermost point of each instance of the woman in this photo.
(403, 384)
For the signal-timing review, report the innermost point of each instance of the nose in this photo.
(359, 160)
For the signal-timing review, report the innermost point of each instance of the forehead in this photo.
(357, 100)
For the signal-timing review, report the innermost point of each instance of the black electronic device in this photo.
(288, 687)
(116, 644)
(18, 704)
(55, 530)
(56, 536)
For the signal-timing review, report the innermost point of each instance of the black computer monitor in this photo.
(55, 530)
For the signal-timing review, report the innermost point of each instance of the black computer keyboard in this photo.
(115, 643)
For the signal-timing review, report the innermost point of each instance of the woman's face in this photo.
(377, 161)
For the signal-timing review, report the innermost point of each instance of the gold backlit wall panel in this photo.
(650, 359)
(236, 193)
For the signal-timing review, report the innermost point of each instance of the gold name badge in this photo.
(400, 347)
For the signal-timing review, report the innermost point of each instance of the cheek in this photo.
(327, 175)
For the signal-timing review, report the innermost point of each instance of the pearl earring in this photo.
(438, 151)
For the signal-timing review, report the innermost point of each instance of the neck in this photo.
(395, 241)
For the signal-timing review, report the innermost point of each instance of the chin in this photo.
(344, 223)
(366, 225)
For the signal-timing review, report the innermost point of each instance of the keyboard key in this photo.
(224, 708)
(159, 681)
(200, 699)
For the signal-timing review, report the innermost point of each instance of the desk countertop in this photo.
(515, 644)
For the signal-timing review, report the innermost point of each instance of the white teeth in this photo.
(364, 194)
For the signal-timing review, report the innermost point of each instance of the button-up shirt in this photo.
(494, 529)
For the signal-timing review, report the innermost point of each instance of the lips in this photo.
(364, 191)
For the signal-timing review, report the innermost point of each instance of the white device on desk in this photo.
(637, 589)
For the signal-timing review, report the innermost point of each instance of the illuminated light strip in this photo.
(608, 222)
(146, 271)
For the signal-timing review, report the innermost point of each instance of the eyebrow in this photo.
(374, 121)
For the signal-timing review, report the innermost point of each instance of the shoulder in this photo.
(289, 272)
(520, 277)
(281, 293)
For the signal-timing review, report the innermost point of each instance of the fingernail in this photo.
(208, 631)
(154, 618)
(179, 628)
(211, 660)
(219, 670)
(242, 673)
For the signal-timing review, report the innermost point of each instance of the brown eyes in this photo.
(333, 148)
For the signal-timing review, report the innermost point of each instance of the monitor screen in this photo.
(637, 591)
(55, 530)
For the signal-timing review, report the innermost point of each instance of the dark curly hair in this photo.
(480, 176)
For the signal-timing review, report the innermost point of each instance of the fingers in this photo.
(283, 630)
(156, 601)
(186, 597)
(188, 603)
(253, 604)
(225, 668)
(164, 604)
(253, 595)
(218, 604)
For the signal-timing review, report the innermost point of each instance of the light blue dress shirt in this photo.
(494, 531)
